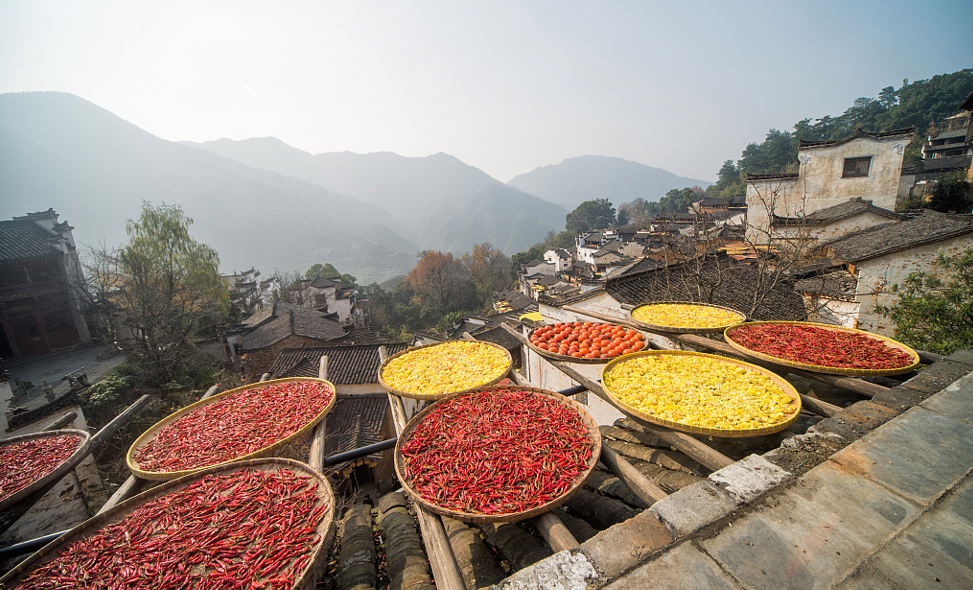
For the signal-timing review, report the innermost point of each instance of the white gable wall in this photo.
(877, 276)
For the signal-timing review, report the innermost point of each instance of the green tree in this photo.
(593, 214)
(325, 270)
(167, 286)
(935, 309)
(951, 193)
(348, 281)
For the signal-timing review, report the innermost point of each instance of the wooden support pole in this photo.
(445, 570)
(120, 420)
(62, 421)
(555, 533)
(132, 486)
(820, 407)
(646, 489)
(315, 457)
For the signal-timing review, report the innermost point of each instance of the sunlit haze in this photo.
(503, 86)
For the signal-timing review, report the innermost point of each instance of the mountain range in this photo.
(261, 203)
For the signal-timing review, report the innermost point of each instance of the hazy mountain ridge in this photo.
(595, 177)
(425, 194)
(95, 169)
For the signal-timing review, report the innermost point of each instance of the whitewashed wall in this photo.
(821, 170)
(876, 277)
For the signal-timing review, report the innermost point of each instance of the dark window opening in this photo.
(855, 167)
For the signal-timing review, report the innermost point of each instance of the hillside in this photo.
(95, 169)
(439, 202)
(595, 177)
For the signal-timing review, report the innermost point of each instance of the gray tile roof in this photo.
(926, 227)
(676, 283)
(802, 144)
(355, 422)
(499, 336)
(839, 284)
(24, 239)
(347, 365)
(323, 283)
(849, 208)
(286, 320)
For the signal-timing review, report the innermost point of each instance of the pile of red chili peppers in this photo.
(234, 426)
(498, 451)
(249, 529)
(815, 345)
(25, 462)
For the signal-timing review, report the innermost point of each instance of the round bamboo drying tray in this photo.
(432, 376)
(152, 432)
(593, 432)
(742, 317)
(55, 474)
(851, 372)
(572, 359)
(304, 581)
(787, 388)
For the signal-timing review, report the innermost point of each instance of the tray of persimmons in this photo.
(585, 342)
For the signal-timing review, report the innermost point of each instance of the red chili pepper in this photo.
(151, 547)
(497, 451)
(815, 345)
(25, 462)
(234, 426)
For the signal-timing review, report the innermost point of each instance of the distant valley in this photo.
(265, 204)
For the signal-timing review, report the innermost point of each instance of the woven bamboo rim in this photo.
(554, 356)
(79, 453)
(437, 396)
(152, 432)
(795, 405)
(593, 432)
(675, 330)
(306, 579)
(728, 334)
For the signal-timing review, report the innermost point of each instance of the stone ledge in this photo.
(964, 356)
(749, 478)
(694, 507)
(567, 570)
(855, 420)
(625, 545)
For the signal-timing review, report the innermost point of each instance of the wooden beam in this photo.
(445, 570)
(555, 533)
(62, 421)
(820, 407)
(132, 486)
(120, 420)
(315, 457)
(646, 489)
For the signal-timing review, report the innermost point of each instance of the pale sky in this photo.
(503, 86)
